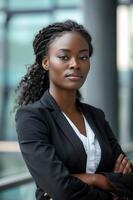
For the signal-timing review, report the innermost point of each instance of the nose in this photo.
(74, 64)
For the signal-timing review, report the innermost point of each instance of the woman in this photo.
(67, 145)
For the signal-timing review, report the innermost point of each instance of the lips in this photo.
(74, 75)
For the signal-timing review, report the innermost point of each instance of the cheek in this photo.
(54, 62)
(86, 69)
(56, 68)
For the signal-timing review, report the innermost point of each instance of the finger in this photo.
(127, 168)
(118, 162)
(120, 158)
(130, 170)
(125, 161)
(123, 164)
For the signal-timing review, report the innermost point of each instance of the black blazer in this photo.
(53, 151)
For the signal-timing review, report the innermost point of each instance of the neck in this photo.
(65, 99)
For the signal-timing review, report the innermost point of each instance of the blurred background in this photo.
(109, 84)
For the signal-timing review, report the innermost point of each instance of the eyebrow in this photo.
(67, 50)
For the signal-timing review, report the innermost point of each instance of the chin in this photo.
(70, 86)
(74, 87)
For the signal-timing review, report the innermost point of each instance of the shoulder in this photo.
(32, 121)
(94, 110)
(31, 109)
(95, 113)
(35, 110)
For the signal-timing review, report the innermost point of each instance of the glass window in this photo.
(125, 73)
(61, 15)
(12, 158)
(27, 5)
(2, 39)
(21, 34)
(20, 37)
(24, 192)
(69, 2)
(2, 3)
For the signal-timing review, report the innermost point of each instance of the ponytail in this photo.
(32, 85)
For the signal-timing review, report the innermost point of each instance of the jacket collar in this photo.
(49, 102)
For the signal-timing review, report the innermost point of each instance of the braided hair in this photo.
(36, 80)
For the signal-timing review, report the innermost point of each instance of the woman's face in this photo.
(67, 61)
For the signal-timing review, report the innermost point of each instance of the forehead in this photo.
(69, 40)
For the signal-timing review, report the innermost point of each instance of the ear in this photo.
(45, 63)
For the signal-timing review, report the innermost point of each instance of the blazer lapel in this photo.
(73, 138)
(49, 103)
(97, 131)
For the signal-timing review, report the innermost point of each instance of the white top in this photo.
(91, 145)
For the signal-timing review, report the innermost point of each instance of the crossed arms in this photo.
(122, 165)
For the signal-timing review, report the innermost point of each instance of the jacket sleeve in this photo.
(116, 148)
(46, 168)
(123, 182)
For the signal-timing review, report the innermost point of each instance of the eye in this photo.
(84, 58)
(65, 58)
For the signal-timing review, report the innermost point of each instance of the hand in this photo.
(122, 165)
